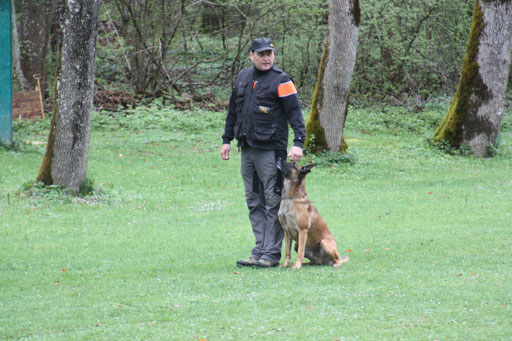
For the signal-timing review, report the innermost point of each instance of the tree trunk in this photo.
(32, 36)
(475, 114)
(16, 51)
(324, 129)
(65, 161)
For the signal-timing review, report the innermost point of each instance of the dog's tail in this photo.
(343, 259)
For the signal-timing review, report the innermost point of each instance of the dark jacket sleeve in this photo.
(293, 112)
(229, 126)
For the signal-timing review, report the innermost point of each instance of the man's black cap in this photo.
(262, 44)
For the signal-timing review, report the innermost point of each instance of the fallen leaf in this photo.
(429, 193)
(237, 273)
(348, 250)
(310, 307)
(459, 275)
(386, 249)
(64, 269)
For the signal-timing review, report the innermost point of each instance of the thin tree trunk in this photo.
(476, 111)
(32, 37)
(45, 171)
(324, 129)
(72, 125)
(16, 51)
(51, 17)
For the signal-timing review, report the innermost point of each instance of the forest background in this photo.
(149, 249)
(189, 52)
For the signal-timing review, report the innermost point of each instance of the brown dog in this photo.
(302, 222)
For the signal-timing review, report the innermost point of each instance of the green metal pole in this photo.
(5, 73)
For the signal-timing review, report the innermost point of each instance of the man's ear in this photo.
(305, 170)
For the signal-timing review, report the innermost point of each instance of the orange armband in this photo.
(286, 89)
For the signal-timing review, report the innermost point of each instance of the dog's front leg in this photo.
(288, 248)
(303, 236)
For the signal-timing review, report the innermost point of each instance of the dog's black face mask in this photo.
(286, 169)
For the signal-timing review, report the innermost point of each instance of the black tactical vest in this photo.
(260, 119)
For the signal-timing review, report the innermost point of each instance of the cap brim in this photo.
(261, 49)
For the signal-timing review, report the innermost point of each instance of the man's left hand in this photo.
(295, 153)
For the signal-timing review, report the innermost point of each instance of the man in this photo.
(263, 102)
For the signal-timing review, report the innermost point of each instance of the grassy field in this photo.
(150, 255)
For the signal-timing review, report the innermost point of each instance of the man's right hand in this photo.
(224, 151)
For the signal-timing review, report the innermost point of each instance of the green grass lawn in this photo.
(151, 254)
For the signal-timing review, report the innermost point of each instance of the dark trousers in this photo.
(260, 176)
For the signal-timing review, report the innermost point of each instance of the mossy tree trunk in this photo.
(324, 127)
(475, 114)
(65, 160)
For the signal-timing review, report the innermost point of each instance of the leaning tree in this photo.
(476, 110)
(324, 127)
(65, 161)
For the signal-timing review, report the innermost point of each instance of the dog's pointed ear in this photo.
(306, 169)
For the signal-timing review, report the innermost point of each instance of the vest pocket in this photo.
(239, 98)
(264, 126)
(264, 135)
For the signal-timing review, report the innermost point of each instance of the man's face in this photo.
(263, 60)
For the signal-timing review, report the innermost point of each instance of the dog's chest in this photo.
(288, 218)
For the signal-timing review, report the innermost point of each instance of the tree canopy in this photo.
(183, 49)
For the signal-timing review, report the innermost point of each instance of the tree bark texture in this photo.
(476, 111)
(65, 161)
(330, 99)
